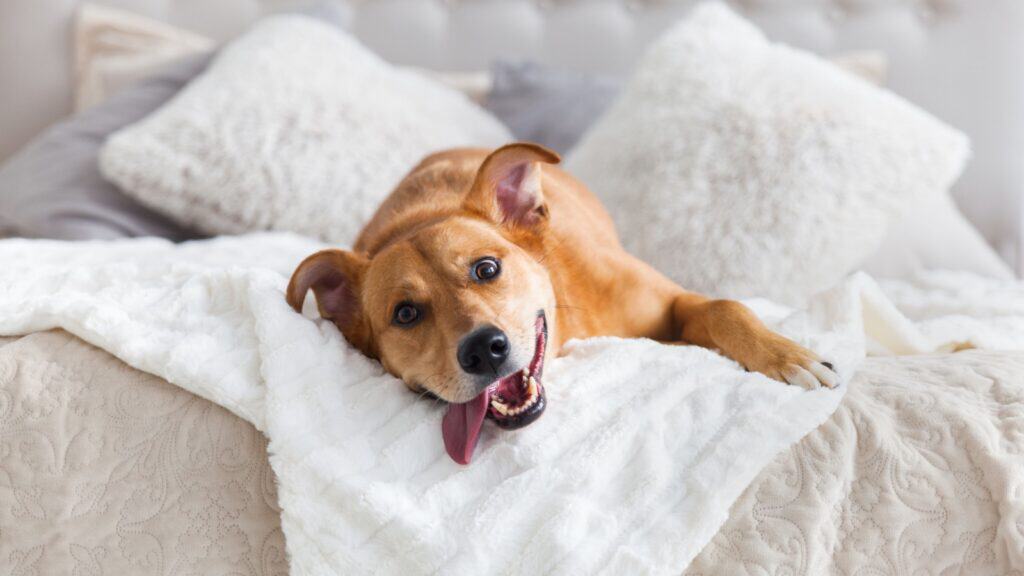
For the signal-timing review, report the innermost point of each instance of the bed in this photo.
(110, 469)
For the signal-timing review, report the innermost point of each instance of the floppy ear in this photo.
(507, 188)
(335, 277)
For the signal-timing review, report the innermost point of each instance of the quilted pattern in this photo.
(917, 472)
(106, 470)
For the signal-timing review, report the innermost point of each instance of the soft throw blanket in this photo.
(632, 470)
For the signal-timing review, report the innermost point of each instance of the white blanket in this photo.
(632, 469)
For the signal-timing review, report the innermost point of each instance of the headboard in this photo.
(960, 59)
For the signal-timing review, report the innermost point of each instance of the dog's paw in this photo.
(813, 374)
(788, 362)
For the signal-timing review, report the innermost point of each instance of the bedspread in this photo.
(921, 468)
(919, 471)
(886, 486)
(106, 470)
(614, 479)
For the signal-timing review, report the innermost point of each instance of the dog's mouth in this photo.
(512, 402)
(518, 399)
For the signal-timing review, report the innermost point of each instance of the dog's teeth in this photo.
(532, 394)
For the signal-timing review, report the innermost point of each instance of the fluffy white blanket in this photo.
(632, 469)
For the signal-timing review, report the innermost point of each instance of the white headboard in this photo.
(961, 59)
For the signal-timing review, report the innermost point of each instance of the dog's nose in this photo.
(483, 351)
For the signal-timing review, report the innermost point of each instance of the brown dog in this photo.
(478, 265)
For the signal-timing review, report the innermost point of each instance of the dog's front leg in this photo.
(732, 329)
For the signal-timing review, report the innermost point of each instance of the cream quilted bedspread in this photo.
(920, 472)
(105, 470)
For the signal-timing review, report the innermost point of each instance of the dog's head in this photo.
(458, 306)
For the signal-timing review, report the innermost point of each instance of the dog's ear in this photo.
(335, 277)
(507, 188)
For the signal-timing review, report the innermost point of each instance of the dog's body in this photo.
(478, 260)
(599, 288)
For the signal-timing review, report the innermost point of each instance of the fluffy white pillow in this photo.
(295, 126)
(741, 168)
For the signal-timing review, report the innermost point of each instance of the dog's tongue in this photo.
(461, 427)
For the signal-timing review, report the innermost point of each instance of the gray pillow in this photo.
(52, 188)
(549, 106)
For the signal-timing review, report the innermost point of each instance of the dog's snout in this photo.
(484, 350)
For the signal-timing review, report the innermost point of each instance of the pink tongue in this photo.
(461, 427)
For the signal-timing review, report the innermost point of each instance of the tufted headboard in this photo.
(960, 59)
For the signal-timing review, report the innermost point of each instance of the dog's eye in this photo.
(486, 269)
(406, 314)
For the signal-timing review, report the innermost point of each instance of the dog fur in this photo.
(559, 253)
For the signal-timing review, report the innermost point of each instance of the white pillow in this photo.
(743, 168)
(295, 126)
(932, 234)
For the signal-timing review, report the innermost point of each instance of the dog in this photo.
(481, 264)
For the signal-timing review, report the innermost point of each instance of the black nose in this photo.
(483, 351)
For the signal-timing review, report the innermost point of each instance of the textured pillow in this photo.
(115, 48)
(740, 167)
(52, 188)
(295, 126)
(554, 107)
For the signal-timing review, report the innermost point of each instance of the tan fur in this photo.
(562, 256)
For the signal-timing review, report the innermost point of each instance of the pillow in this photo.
(295, 126)
(932, 234)
(744, 168)
(52, 188)
(114, 49)
(555, 106)
(475, 84)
